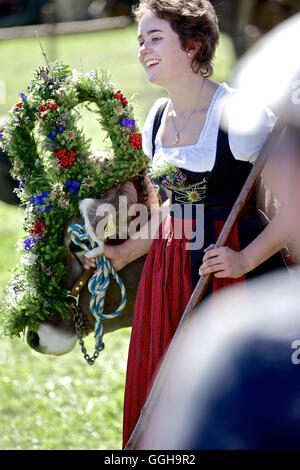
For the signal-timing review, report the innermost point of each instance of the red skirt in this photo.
(164, 291)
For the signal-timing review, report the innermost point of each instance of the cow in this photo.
(58, 335)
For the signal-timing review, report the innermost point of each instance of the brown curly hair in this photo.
(192, 20)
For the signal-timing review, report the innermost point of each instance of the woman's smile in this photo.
(150, 63)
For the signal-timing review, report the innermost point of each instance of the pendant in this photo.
(177, 139)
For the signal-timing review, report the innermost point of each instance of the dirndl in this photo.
(164, 290)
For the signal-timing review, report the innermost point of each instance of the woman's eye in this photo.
(154, 39)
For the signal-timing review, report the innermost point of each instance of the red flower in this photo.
(39, 228)
(136, 141)
(65, 158)
(42, 108)
(122, 100)
(18, 106)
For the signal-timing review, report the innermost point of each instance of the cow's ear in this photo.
(88, 209)
(98, 219)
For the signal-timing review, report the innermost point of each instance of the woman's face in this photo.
(160, 51)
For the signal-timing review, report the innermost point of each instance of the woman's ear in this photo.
(193, 47)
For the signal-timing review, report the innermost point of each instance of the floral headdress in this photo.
(50, 154)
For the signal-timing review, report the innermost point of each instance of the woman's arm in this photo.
(225, 262)
(135, 247)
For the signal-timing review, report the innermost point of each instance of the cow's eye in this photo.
(74, 248)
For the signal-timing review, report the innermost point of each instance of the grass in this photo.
(58, 403)
(61, 402)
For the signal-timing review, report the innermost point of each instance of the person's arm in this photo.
(225, 262)
(135, 247)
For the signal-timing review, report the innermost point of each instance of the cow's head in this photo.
(58, 335)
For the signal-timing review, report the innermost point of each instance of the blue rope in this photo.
(99, 282)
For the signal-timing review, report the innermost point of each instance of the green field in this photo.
(61, 402)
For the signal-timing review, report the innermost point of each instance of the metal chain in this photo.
(79, 327)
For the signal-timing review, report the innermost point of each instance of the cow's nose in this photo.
(33, 339)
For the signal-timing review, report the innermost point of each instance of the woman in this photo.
(177, 41)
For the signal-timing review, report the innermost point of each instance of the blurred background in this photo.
(61, 402)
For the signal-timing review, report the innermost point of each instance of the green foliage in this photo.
(50, 159)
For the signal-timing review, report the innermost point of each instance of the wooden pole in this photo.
(204, 281)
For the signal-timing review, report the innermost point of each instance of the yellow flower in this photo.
(63, 203)
(57, 190)
(87, 181)
(18, 165)
(61, 91)
(58, 187)
(193, 196)
(70, 134)
(119, 111)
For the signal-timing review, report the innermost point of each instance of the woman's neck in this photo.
(191, 93)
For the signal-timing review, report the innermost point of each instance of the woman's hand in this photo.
(224, 262)
(116, 255)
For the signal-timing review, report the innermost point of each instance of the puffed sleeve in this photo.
(249, 125)
(148, 127)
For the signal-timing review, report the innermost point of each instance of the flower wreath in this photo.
(50, 154)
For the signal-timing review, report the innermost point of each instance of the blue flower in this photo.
(52, 135)
(128, 123)
(73, 190)
(73, 186)
(23, 96)
(29, 243)
(61, 129)
(48, 208)
(39, 201)
(1, 135)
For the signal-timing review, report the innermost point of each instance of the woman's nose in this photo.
(145, 48)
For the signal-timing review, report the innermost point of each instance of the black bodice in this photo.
(218, 187)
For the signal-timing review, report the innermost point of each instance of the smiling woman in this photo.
(177, 41)
(200, 32)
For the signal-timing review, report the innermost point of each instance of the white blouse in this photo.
(247, 132)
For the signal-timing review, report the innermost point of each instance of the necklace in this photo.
(186, 123)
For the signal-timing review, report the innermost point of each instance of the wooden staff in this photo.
(204, 281)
